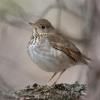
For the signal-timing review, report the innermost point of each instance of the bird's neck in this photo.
(37, 37)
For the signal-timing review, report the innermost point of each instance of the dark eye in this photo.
(43, 27)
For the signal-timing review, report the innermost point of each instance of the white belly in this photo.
(48, 58)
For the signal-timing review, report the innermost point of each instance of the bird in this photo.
(52, 51)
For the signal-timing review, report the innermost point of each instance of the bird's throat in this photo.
(36, 37)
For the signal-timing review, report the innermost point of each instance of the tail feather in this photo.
(85, 59)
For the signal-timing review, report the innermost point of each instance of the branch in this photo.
(55, 92)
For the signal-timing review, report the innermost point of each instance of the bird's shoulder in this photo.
(57, 39)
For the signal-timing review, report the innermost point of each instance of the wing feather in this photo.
(61, 43)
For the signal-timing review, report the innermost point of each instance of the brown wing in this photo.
(61, 43)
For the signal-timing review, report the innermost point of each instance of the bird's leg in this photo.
(52, 76)
(59, 76)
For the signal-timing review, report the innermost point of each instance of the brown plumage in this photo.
(46, 39)
(61, 43)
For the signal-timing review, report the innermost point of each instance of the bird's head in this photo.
(41, 26)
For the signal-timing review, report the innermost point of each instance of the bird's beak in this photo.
(31, 23)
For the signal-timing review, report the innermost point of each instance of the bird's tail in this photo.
(85, 59)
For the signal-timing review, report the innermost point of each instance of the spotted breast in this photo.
(45, 56)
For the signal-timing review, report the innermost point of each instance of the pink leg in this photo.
(53, 76)
(59, 76)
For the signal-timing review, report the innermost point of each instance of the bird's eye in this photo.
(43, 27)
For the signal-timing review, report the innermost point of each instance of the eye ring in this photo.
(43, 27)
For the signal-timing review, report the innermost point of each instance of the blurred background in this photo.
(71, 17)
(16, 68)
